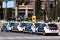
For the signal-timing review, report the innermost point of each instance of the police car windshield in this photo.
(5, 24)
(16, 24)
(37, 24)
(23, 24)
(52, 25)
(11, 23)
(42, 25)
(29, 24)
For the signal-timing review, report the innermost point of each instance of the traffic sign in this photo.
(33, 18)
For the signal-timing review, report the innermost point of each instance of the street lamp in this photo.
(5, 10)
(56, 7)
(34, 8)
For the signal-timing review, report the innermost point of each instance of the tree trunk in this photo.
(1, 11)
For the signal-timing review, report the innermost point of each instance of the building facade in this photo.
(28, 9)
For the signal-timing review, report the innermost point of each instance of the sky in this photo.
(10, 4)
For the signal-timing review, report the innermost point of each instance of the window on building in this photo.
(31, 3)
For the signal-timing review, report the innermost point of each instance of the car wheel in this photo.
(36, 32)
(1, 30)
(44, 33)
(17, 31)
(10, 30)
(23, 31)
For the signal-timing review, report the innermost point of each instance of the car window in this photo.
(29, 24)
(5, 24)
(16, 24)
(11, 24)
(42, 25)
(52, 25)
(23, 24)
(37, 24)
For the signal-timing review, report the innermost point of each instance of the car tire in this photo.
(17, 31)
(23, 31)
(36, 32)
(44, 33)
(11, 30)
(1, 30)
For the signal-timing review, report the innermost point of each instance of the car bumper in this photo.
(14, 30)
(52, 31)
(26, 31)
(39, 32)
(3, 29)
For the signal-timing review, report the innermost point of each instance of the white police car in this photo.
(14, 26)
(29, 28)
(21, 27)
(51, 28)
(6, 27)
(40, 28)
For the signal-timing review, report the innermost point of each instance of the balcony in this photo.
(24, 7)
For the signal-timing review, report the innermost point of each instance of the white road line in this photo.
(30, 37)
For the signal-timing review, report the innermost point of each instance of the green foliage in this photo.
(20, 1)
(1, 0)
(58, 8)
(23, 1)
(28, 19)
(26, 2)
(25, 19)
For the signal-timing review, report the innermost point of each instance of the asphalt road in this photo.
(21, 36)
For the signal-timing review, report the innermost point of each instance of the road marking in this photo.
(41, 37)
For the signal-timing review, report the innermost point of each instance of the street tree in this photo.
(58, 8)
(22, 1)
(38, 9)
(1, 10)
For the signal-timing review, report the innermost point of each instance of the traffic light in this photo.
(51, 6)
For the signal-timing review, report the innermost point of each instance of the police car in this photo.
(6, 27)
(29, 28)
(14, 26)
(51, 28)
(40, 28)
(21, 27)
